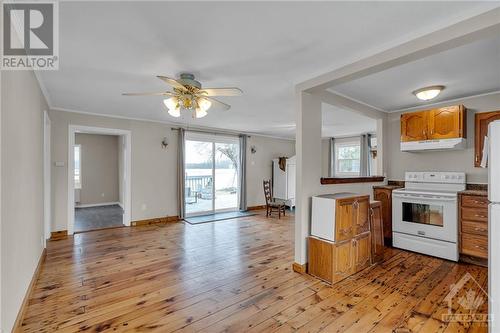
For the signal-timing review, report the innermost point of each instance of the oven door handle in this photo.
(423, 196)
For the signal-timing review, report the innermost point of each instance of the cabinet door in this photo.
(414, 126)
(377, 233)
(385, 198)
(343, 261)
(447, 123)
(344, 219)
(361, 209)
(481, 122)
(362, 251)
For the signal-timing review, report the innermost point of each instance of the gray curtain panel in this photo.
(331, 158)
(243, 173)
(181, 173)
(365, 164)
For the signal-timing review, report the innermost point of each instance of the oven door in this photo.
(425, 215)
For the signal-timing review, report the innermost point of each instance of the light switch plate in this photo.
(59, 164)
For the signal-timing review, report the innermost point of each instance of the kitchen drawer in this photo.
(474, 245)
(477, 228)
(475, 201)
(475, 214)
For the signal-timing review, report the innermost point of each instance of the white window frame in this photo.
(341, 145)
(79, 186)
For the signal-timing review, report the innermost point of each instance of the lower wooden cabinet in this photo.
(384, 195)
(333, 262)
(473, 212)
(377, 232)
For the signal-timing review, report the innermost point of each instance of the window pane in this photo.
(349, 152)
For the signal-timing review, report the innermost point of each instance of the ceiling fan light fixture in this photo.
(204, 104)
(200, 113)
(428, 93)
(173, 107)
(174, 112)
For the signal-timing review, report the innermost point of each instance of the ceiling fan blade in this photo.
(217, 103)
(166, 93)
(230, 91)
(171, 82)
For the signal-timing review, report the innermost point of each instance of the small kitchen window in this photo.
(78, 166)
(347, 158)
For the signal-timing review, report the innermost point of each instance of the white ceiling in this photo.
(472, 69)
(338, 122)
(107, 48)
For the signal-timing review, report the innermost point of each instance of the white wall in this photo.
(99, 168)
(459, 160)
(260, 165)
(22, 188)
(154, 169)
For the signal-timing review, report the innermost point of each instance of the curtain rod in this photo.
(209, 131)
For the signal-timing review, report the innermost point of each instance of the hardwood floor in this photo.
(235, 276)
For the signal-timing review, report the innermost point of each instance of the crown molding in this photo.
(171, 124)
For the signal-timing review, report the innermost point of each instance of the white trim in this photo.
(127, 136)
(47, 177)
(173, 124)
(80, 157)
(99, 205)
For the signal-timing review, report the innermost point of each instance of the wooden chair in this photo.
(271, 203)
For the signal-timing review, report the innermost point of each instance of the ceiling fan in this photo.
(188, 94)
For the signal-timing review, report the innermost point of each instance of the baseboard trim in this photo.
(20, 314)
(98, 205)
(58, 235)
(259, 207)
(157, 220)
(299, 268)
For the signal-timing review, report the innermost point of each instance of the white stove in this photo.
(424, 213)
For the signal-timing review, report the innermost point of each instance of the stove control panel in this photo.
(435, 177)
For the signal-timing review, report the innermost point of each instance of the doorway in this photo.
(98, 178)
(211, 174)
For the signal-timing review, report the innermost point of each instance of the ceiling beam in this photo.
(350, 104)
(469, 30)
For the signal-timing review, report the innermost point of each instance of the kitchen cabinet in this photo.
(377, 232)
(481, 122)
(340, 244)
(473, 226)
(384, 195)
(442, 123)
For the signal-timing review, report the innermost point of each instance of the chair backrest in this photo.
(267, 191)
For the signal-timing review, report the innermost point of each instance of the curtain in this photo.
(243, 173)
(365, 160)
(331, 158)
(181, 173)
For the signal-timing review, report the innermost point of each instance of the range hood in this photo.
(430, 145)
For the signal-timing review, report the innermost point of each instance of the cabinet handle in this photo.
(479, 215)
(480, 229)
(480, 247)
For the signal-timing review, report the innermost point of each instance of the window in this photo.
(78, 167)
(347, 158)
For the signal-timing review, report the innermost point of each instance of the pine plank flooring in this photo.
(234, 276)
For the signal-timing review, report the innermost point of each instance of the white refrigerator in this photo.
(494, 225)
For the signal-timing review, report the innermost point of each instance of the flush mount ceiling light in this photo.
(188, 94)
(428, 93)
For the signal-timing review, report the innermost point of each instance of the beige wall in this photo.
(154, 169)
(260, 165)
(22, 188)
(459, 160)
(99, 159)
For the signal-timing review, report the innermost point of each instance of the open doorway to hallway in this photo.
(98, 181)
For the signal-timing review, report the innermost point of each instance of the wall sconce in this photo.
(164, 143)
(253, 150)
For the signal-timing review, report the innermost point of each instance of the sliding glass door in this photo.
(212, 173)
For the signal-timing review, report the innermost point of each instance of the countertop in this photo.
(479, 193)
(387, 187)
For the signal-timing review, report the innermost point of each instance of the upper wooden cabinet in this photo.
(481, 122)
(443, 123)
